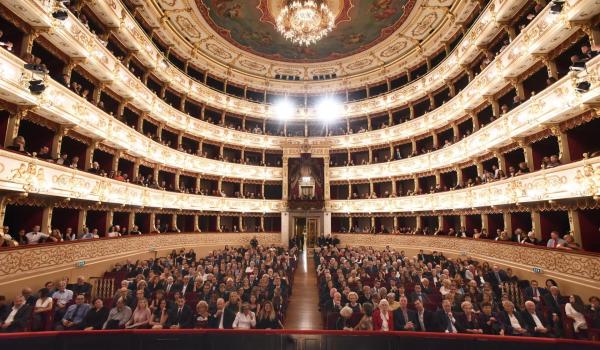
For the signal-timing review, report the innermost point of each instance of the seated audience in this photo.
(118, 316)
(575, 310)
(17, 317)
(96, 316)
(75, 315)
(244, 319)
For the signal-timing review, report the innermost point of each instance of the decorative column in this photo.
(97, 93)
(536, 224)
(451, 88)
(197, 224)
(518, 86)
(327, 187)
(110, 215)
(12, 127)
(284, 187)
(507, 221)
(467, 69)
(495, 105)
(501, 160)
(177, 177)
(152, 226)
(550, 65)
(412, 110)
(115, 161)
(574, 225)
(563, 144)
(455, 132)
(479, 167)
(475, 120)
(485, 222)
(130, 220)
(459, 175)
(27, 43)
(418, 222)
(57, 141)
(527, 152)
(509, 29)
(438, 177)
(436, 141)
(136, 168)
(174, 222)
(81, 221)
(46, 225)
(441, 223)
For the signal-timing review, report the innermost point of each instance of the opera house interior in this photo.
(299, 174)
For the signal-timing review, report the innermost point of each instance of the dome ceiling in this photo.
(236, 40)
(250, 26)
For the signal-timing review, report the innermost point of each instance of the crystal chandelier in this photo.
(305, 22)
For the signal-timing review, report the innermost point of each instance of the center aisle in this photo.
(302, 312)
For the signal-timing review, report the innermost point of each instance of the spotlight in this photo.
(582, 87)
(556, 6)
(284, 109)
(61, 15)
(35, 68)
(329, 109)
(36, 87)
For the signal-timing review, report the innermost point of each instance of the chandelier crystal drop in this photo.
(305, 22)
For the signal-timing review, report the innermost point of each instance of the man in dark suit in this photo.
(404, 319)
(444, 319)
(511, 320)
(180, 316)
(496, 278)
(17, 318)
(421, 256)
(424, 319)
(187, 286)
(553, 302)
(419, 295)
(222, 318)
(488, 320)
(518, 236)
(81, 287)
(533, 322)
(533, 292)
(171, 286)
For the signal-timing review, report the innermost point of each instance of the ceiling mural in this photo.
(250, 25)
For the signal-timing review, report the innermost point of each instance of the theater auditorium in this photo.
(299, 174)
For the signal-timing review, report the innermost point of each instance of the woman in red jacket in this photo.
(383, 318)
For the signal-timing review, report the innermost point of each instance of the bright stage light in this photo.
(284, 109)
(329, 109)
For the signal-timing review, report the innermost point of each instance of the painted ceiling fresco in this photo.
(250, 25)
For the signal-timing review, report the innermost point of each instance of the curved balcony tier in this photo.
(24, 174)
(574, 180)
(65, 107)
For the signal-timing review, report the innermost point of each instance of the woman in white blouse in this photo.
(574, 309)
(244, 319)
(42, 305)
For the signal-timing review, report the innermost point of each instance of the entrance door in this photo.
(299, 228)
(312, 232)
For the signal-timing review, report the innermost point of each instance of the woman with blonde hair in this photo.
(353, 302)
(202, 314)
(141, 316)
(267, 317)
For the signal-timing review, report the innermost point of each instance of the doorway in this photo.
(299, 230)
